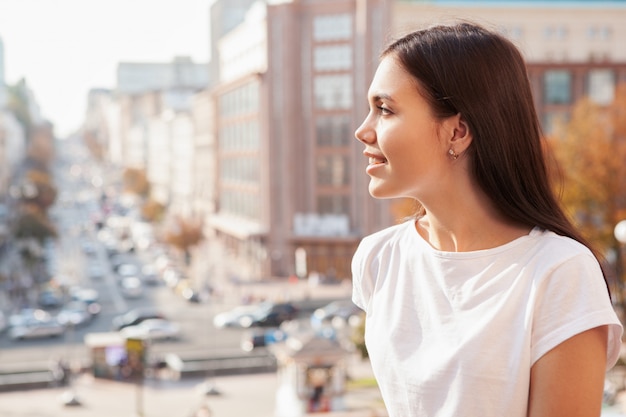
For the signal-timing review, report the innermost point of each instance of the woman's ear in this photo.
(458, 133)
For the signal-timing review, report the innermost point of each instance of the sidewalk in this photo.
(241, 396)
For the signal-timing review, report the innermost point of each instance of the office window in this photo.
(601, 86)
(333, 91)
(557, 87)
(333, 131)
(333, 204)
(332, 58)
(332, 27)
(332, 170)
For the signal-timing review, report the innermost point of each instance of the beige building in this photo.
(573, 49)
(290, 175)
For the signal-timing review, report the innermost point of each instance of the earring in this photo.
(453, 154)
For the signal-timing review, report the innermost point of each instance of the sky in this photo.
(65, 47)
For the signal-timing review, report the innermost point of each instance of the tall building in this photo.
(573, 49)
(291, 177)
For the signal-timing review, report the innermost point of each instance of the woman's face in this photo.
(400, 134)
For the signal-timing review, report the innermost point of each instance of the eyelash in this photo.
(383, 110)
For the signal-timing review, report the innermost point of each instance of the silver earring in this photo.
(453, 154)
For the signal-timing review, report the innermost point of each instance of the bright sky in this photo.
(65, 47)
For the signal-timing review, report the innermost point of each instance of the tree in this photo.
(184, 233)
(32, 223)
(136, 182)
(591, 150)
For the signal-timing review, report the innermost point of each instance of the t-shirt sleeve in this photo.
(571, 299)
(357, 278)
(365, 266)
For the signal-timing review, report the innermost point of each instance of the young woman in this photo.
(489, 303)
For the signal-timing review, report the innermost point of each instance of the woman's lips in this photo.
(376, 161)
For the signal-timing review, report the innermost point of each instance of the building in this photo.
(290, 175)
(573, 49)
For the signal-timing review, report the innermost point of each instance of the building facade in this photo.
(573, 49)
(291, 177)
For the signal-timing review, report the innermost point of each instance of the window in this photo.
(557, 87)
(332, 58)
(332, 170)
(333, 204)
(601, 86)
(332, 27)
(333, 91)
(333, 131)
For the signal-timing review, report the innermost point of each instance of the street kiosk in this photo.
(311, 375)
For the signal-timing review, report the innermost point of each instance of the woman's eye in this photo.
(383, 110)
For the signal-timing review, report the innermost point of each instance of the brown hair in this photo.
(467, 69)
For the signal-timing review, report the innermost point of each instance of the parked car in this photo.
(74, 313)
(136, 316)
(265, 314)
(34, 328)
(27, 315)
(88, 296)
(153, 330)
(131, 287)
(256, 338)
(50, 299)
(337, 314)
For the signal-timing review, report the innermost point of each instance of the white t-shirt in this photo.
(454, 334)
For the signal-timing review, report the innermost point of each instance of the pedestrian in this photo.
(488, 302)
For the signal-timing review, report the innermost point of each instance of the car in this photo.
(50, 299)
(26, 315)
(33, 328)
(127, 270)
(336, 314)
(131, 287)
(256, 338)
(265, 314)
(4, 323)
(152, 330)
(136, 316)
(74, 313)
(88, 296)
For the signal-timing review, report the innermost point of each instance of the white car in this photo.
(75, 313)
(33, 329)
(152, 329)
(131, 287)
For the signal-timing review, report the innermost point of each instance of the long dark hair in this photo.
(465, 68)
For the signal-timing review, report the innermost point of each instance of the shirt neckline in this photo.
(412, 230)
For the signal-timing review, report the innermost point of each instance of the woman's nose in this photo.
(365, 133)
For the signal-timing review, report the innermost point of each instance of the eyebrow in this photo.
(382, 96)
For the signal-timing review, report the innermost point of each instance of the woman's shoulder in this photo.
(552, 244)
(389, 234)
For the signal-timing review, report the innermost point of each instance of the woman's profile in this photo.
(489, 303)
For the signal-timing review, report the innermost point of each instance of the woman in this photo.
(489, 302)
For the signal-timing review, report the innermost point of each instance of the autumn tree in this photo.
(591, 151)
(183, 234)
(136, 182)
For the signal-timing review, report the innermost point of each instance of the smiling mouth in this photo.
(376, 161)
